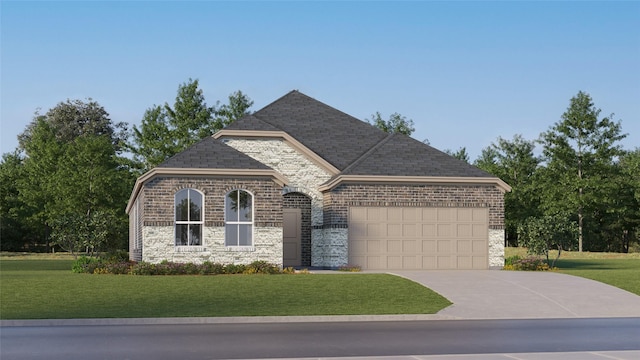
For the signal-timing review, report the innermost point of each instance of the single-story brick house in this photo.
(299, 183)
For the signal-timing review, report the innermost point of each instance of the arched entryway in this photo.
(296, 211)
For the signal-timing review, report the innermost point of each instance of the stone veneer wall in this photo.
(338, 201)
(303, 176)
(158, 222)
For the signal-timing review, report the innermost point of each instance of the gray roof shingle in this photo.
(353, 146)
(210, 153)
(400, 155)
(338, 138)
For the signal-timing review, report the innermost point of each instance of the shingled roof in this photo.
(338, 138)
(210, 153)
(400, 155)
(351, 145)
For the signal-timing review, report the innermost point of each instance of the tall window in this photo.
(189, 217)
(238, 214)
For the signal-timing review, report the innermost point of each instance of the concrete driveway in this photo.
(495, 294)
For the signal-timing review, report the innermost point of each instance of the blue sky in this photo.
(465, 72)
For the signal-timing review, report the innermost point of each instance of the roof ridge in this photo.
(368, 153)
(266, 122)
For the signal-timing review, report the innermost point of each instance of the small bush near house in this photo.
(350, 268)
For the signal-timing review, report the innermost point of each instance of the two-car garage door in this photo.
(396, 238)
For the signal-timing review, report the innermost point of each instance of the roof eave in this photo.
(274, 175)
(440, 180)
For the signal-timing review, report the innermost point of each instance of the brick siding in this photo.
(338, 200)
(158, 199)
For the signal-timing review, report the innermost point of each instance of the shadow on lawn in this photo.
(596, 264)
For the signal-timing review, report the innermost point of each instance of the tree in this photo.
(514, 162)
(15, 232)
(74, 118)
(396, 124)
(579, 152)
(460, 154)
(166, 130)
(237, 107)
(74, 173)
(541, 234)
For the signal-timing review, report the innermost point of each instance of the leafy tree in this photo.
(514, 162)
(396, 123)
(541, 234)
(579, 152)
(166, 130)
(460, 154)
(15, 232)
(74, 173)
(74, 118)
(237, 107)
(618, 217)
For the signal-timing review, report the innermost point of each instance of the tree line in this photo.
(67, 183)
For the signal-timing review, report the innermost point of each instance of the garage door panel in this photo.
(480, 215)
(444, 231)
(394, 246)
(394, 230)
(394, 262)
(429, 246)
(409, 246)
(465, 215)
(409, 262)
(429, 215)
(444, 246)
(464, 262)
(464, 230)
(418, 238)
(464, 246)
(479, 231)
(373, 246)
(409, 230)
(428, 230)
(479, 247)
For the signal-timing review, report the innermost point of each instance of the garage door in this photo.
(418, 238)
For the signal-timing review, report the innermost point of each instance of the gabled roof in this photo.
(210, 153)
(351, 149)
(338, 138)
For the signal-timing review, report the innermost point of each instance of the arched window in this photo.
(238, 216)
(189, 217)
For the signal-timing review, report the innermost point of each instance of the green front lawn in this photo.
(621, 273)
(47, 289)
(616, 269)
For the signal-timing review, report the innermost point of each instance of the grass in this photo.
(47, 289)
(616, 269)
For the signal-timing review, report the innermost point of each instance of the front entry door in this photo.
(292, 255)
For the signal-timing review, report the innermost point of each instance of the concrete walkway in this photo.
(495, 294)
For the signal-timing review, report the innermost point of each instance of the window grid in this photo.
(191, 225)
(234, 234)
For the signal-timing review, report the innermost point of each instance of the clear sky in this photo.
(465, 72)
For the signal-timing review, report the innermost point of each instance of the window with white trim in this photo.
(189, 217)
(238, 217)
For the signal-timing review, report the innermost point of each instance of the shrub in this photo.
(85, 264)
(350, 268)
(261, 267)
(209, 268)
(143, 268)
(235, 269)
(530, 263)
